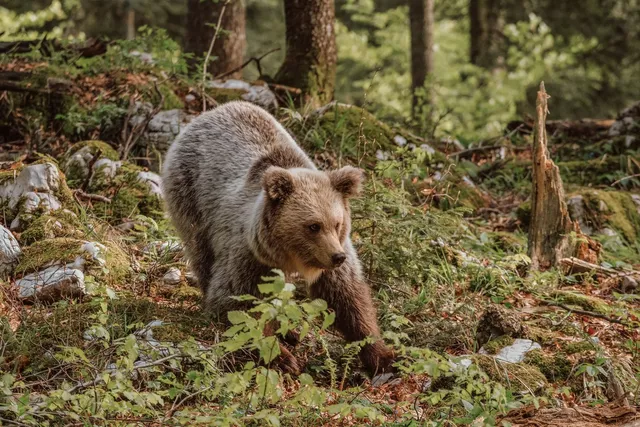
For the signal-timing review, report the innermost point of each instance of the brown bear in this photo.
(246, 199)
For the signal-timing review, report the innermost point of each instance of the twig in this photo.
(625, 178)
(247, 62)
(87, 196)
(587, 313)
(92, 162)
(206, 59)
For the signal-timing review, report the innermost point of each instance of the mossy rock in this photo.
(43, 333)
(129, 196)
(171, 100)
(615, 209)
(585, 302)
(514, 376)
(495, 345)
(223, 95)
(75, 160)
(346, 129)
(45, 252)
(555, 368)
(50, 226)
(578, 347)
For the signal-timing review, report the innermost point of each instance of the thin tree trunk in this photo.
(229, 48)
(485, 32)
(131, 23)
(311, 56)
(421, 23)
(551, 226)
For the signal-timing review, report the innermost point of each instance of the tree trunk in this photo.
(228, 50)
(131, 23)
(311, 57)
(421, 23)
(485, 31)
(549, 232)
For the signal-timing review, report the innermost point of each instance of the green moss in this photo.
(518, 376)
(56, 224)
(578, 347)
(44, 252)
(222, 95)
(544, 336)
(129, 196)
(93, 146)
(495, 345)
(582, 301)
(621, 212)
(171, 100)
(43, 333)
(554, 368)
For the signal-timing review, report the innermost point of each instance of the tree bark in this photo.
(549, 232)
(231, 42)
(311, 56)
(421, 23)
(485, 31)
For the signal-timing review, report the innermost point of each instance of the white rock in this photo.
(52, 284)
(173, 276)
(189, 98)
(427, 148)
(162, 247)
(516, 352)
(636, 200)
(41, 179)
(107, 167)
(9, 252)
(400, 140)
(96, 252)
(153, 182)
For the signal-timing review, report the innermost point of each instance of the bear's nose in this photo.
(338, 259)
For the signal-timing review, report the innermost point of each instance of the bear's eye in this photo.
(314, 228)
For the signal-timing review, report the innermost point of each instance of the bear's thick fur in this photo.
(245, 199)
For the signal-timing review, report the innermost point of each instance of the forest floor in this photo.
(441, 231)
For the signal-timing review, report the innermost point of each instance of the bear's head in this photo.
(307, 218)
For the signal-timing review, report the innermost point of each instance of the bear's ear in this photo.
(278, 183)
(347, 180)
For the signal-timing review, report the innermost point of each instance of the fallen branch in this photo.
(88, 49)
(97, 197)
(625, 178)
(247, 62)
(576, 265)
(586, 313)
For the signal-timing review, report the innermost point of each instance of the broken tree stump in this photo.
(550, 231)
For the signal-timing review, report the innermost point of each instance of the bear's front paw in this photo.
(378, 358)
(287, 362)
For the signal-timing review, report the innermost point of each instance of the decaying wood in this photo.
(91, 47)
(551, 226)
(573, 128)
(578, 266)
(87, 196)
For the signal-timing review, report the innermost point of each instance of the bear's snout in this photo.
(338, 259)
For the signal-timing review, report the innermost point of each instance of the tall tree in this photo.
(485, 23)
(311, 56)
(421, 23)
(231, 42)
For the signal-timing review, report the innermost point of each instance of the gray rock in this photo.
(173, 276)
(577, 211)
(427, 148)
(162, 247)
(9, 252)
(636, 200)
(52, 284)
(106, 167)
(189, 98)
(258, 94)
(516, 352)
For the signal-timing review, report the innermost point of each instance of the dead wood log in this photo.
(90, 48)
(551, 227)
(571, 128)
